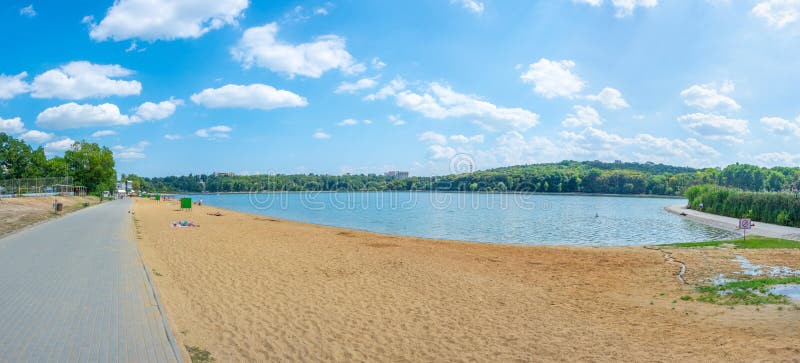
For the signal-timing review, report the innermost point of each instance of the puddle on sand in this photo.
(790, 290)
(751, 269)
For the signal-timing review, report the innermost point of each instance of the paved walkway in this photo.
(74, 289)
(732, 224)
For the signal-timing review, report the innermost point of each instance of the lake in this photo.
(530, 219)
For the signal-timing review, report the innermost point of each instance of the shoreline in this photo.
(251, 288)
(732, 224)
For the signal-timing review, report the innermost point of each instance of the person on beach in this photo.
(701, 207)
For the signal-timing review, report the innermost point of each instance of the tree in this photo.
(91, 166)
(16, 159)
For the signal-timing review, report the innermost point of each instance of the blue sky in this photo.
(195, 86)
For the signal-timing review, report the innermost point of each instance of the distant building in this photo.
(225, 173)
(396, 174)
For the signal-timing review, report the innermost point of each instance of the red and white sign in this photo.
(745, 223)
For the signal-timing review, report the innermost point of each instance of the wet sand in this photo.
(254, 288)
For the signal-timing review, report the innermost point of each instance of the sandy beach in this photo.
(254, 288)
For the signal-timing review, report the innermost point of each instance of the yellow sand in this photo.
(253, 288)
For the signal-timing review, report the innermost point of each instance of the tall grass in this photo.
(768, 207)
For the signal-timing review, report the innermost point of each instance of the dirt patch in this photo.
(17, 213)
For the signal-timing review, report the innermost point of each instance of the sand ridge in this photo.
(255, 288)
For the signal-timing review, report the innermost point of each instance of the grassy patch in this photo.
(156, 273)
(199, 355)
(750, 292)
(752, 242)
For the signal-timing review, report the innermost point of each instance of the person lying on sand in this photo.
(217, 214)
(185, 224)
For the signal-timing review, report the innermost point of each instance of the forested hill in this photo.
(563, 177)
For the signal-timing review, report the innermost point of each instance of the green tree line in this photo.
(563, 177)
(89, 164)
(768, 207)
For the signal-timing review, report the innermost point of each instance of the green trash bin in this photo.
(186, 203)
(158, 196)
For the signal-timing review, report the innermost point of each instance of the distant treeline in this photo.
(89, 164)
(768, 207)
(563, 177)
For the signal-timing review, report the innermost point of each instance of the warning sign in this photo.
(745, 223)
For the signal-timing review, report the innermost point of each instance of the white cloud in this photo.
(440, 152)
(708, 97)
(353, 87)
(715, 127)
(778, 13)
(215, 132)
(396, 85)
(12, 126)
(10, 86)
(103, 133)
(165, 20)
(320, 135)
(367, 122)
(59, 146)
(377, 63)
(259, 47)
(610, 98)
(471, 5)
(36, 136)
(781, 158)
(476, 139)
(157, 111)
(439, 102)
(348, 122)
(582, 116)
(431, 137)
(623, 7)
(28, 11)
(74, 115)
(130, 152)
(79, 80)
(396, 120)
(172, 137)
(254, 96)
(782, 126)
(553, 78)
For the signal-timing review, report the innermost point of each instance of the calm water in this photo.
(503, 218)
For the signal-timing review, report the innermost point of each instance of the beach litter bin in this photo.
(158, 196)
(186, 203)
(59, 207)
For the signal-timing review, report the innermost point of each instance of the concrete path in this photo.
(74, 289)
(732, 224)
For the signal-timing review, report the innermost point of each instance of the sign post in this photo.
(744, 225)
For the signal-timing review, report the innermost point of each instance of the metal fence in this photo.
(40, 187)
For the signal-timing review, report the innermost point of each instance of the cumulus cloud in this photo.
(782, 126)
(441, 152)
(781, 158)
(396, 85)
(259, 46)
(254, 96)
(777, 13)
(353, 87)
(165, 20)
(135, 151)
(36, 136)
(553, 78)
(59, 146)
(377, 63)
(28, 11)
(431, 137)
(81, 79)
(438, 101)
(74, 115)
(12, 126)
(103, 133)
(708, 97)
(610, 98)
(10, 86)
(623, 7)
(396, 120)
(715, 127)
(461, 139)
(353, 122)
(215, 132)
(471, 5)
(582, 116)
(157, 111)
(320, 135)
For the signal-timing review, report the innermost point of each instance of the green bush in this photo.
(768, 207)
